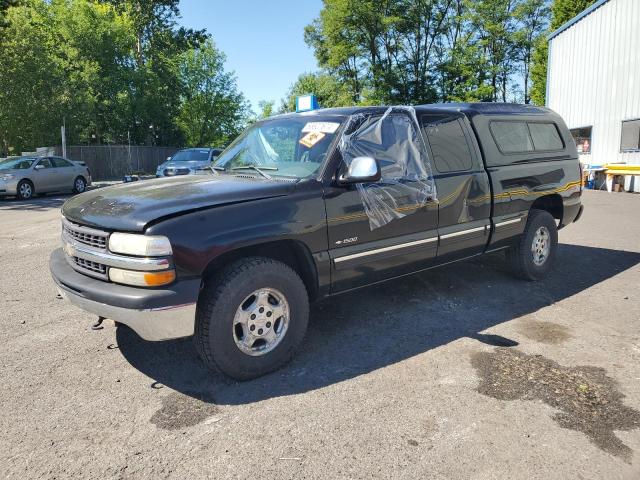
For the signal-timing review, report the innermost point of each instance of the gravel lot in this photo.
(461, 372)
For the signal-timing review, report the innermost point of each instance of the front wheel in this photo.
(532, 257)
(25, 190)
(251, 318)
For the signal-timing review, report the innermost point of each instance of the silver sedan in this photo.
(23, 177)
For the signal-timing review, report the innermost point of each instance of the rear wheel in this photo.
(25, 190)
(79, 185)
(251, 318)
(532, 257)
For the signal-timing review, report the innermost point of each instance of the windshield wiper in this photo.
(215, 169)
(259, 170)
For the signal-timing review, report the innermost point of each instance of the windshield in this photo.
(195, 155)
(287, 147)
(20, 163)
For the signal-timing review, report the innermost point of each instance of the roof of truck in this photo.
(487, 108)
(470, 109)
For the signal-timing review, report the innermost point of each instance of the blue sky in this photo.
(263, 40)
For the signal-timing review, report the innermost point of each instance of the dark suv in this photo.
(304, 206)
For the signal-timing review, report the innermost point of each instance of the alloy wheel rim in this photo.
(25, 190)
(541, 246)
(79, 185)
(261, 322)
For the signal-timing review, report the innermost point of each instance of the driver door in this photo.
(369, 244)
(44, 176)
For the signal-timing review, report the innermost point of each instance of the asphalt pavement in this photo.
(459, 372)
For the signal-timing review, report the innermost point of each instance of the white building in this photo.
(593, 82)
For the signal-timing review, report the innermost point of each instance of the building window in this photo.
(630, 141)
(582, 137)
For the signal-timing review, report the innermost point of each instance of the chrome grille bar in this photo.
(75, 249)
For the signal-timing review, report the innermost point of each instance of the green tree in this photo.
(494, 24)
(94, 43)
(156, 85)
(30, 78)
(532, 16)
(383, 50)
(422, 51)
(63, 60)
(266, 108)
(329, 90)
(212, 110)
(561, 12)
(4, 6)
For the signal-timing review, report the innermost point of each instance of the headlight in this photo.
(7, 176)
(140, 245)
(141, 279)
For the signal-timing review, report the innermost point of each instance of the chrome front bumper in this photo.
(153, 313)
(151, 324)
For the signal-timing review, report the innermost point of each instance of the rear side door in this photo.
(464, 194)
(382, 230)
(66, 173)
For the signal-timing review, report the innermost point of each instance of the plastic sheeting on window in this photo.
(395, 142)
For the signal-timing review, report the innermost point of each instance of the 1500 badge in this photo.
(347, 240)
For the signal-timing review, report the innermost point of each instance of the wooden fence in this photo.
(111, 162)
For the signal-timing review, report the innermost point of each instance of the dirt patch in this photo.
(179, 411)
(544, 332)
(587, 398)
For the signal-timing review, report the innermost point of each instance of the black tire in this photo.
(217, 306)
(79, 185)
(25, 190)
(521, 255)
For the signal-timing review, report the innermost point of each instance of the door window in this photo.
(394, 140)
(61, 162)
(448, 143)
(46, 163)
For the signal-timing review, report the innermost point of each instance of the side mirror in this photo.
(361, 170)
(38, 167)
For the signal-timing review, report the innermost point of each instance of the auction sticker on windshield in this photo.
(323, 127)
(311, 138)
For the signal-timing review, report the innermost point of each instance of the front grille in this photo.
(176, 171)
(95, 267)
(86, 236)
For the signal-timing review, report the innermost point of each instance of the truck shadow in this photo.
(353, 334)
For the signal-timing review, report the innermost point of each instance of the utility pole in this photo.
(63, 133)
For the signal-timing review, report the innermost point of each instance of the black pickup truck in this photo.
(305, 206)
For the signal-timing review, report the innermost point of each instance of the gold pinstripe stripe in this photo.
(448, 198)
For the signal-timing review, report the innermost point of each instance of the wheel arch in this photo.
(293, 253)
(551, 203)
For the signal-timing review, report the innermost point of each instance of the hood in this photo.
(131, 206)
(12, 171)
